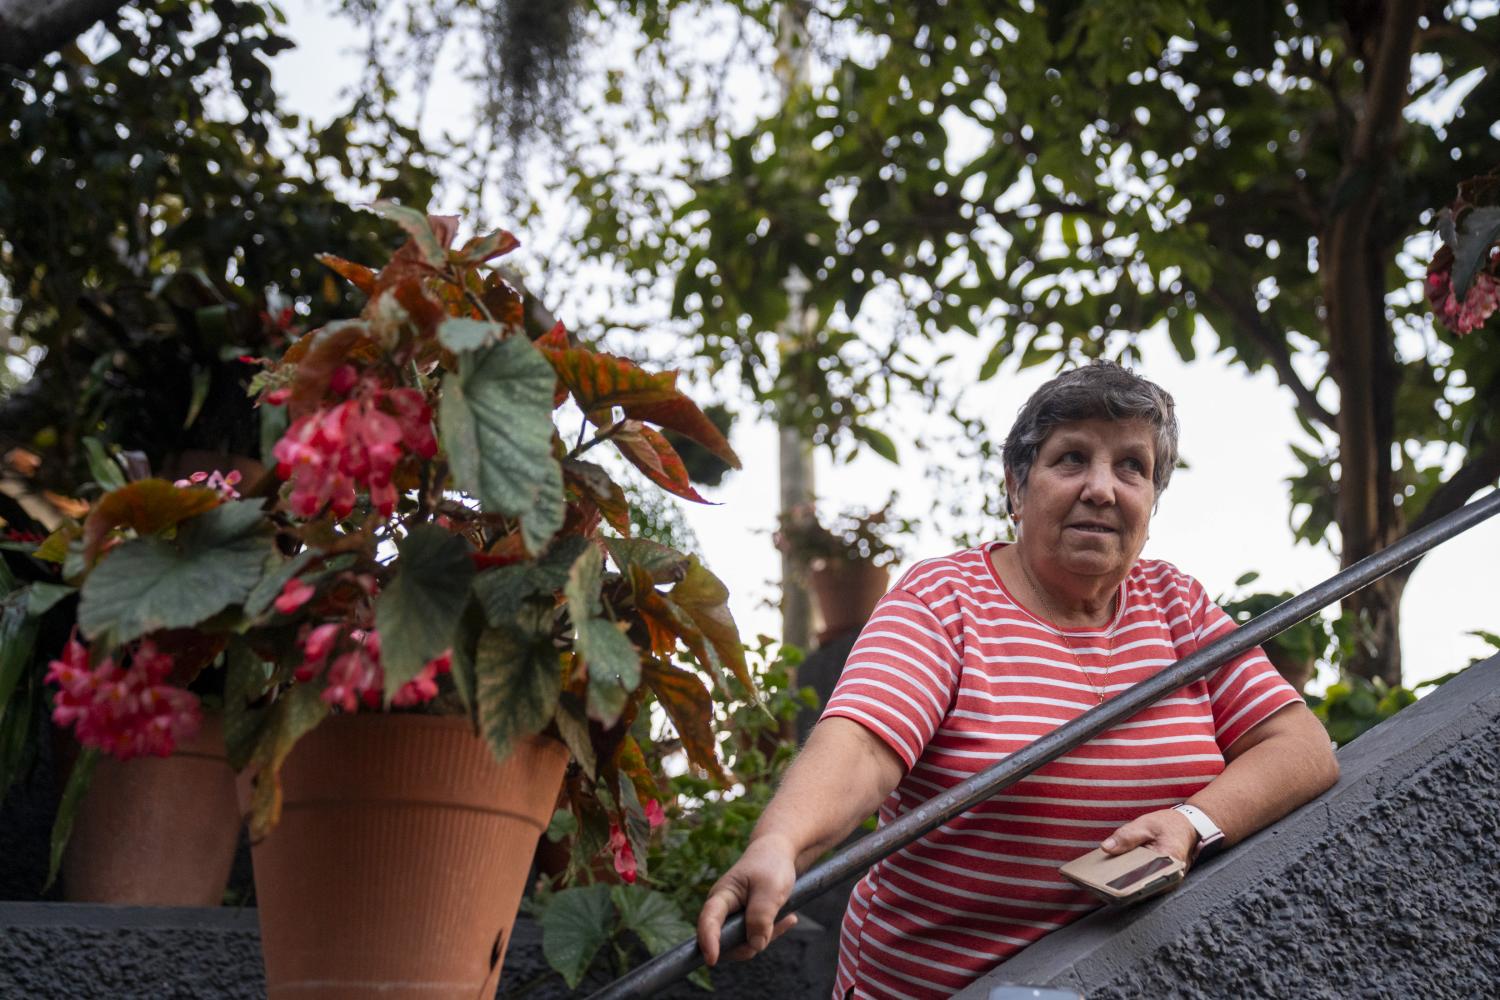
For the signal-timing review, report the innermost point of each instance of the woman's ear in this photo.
(1012, 497)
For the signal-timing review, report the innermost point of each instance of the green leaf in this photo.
(44, 597)
(62, 826)
(202, 380)
(519, 675)
(17, 642)
(652, 916)
(245, 679)
(663, 564)
(460, 334)
(573, 726)
(575, 925)
(152, 583)
(274, 577)
(879, 442)
(296, 712)
(497, 429)
(417, 227)
(705, 599)
(1246, 579)
(502, 590)
(105, 470)
(417, 614)
(613, 664)
(563, 824)
(1470, 243)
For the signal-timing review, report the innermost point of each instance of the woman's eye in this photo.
(1071, 457)
(1136, 465)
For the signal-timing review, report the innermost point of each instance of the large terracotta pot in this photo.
(399, 862)
(156, 831)
(847, 590)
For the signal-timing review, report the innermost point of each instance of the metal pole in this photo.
(670, 966)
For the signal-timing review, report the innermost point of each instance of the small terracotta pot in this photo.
(156, 831)
(846, 592)
(399, 862)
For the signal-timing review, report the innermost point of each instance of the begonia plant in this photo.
(441, 541)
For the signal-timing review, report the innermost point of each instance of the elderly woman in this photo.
(974, 655)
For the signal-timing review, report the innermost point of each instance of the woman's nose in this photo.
(1099, 484)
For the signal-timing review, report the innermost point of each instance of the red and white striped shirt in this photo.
(955, 675)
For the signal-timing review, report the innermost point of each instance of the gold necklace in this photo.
(1066, 640)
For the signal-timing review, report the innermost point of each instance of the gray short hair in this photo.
(1101, 390)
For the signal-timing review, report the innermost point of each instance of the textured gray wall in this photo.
(63, 951)
(1387, 886)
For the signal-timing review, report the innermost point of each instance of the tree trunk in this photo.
(1352, 261)
(30, 29)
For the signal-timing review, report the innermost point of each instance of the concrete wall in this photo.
(1387, 886)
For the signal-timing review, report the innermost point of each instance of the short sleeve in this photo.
(900, 677)
(1247, 690)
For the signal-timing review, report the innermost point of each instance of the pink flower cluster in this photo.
(1467, 316)
(357, 442)
(124, 711)
(619, 843)
(354, 676)
(225, 483)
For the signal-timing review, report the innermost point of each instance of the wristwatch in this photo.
(1210, 837)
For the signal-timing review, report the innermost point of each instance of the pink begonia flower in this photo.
(1462, 318)
(654, 814)
(293, 595)
(624, 854)
(224, 483)
(423, 687)
(126, 712)
(360, 441)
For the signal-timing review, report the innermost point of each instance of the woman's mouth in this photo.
(1093, 529)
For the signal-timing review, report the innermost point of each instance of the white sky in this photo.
(1222, 516)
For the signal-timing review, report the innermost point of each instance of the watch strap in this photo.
(1210, 837)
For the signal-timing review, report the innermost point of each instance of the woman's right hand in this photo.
(760, 883)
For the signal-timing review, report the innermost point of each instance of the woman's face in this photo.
(1087, 501)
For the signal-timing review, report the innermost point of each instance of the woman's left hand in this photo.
(1166, 831)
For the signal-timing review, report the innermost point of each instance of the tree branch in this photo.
(31, 29)
(1254, 324)
(1479, 471)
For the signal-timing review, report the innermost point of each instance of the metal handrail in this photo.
(672, 965)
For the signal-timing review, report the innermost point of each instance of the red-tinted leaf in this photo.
(425, 313)
(603, 492)
(599, 381)
(689, 705)
(327, 349)
(648, 451)
(360, 276)
(555, 339)
(488, 247)
(146, 507)
(426, 244)
(706, 600)
(504, 303)
(632, 764)
(683, 416)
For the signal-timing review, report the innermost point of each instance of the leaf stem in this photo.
(599, 438)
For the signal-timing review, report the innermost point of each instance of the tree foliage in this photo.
(1059, 177)
(155, 209)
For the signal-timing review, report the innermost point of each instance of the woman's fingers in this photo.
(747, 951)
(1165, 830)
(722, 901)
(760, 883)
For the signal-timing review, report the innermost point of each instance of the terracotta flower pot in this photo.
(846, 592)
(399, 862)
(156, 831)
